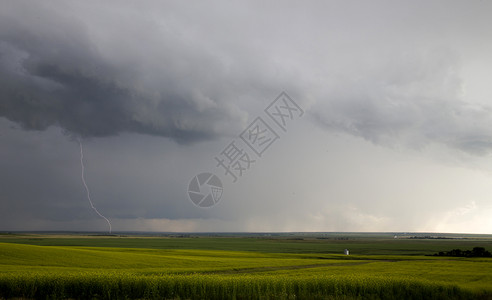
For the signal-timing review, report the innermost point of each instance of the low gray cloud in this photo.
(53, 73)
(410, 98)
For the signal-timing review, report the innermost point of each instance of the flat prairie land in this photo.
(242, 266)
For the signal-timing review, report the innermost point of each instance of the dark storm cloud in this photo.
(52, 73)
(168, 70)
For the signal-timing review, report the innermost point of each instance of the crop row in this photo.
(106, 285)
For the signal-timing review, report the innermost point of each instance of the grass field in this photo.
(247, 267)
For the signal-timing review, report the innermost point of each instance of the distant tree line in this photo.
(428, 237)
(476, 252)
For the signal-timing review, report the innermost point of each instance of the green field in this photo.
(282, 266)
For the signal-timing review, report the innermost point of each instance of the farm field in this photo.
(298, 266)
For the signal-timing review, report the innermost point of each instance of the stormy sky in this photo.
(395, 135)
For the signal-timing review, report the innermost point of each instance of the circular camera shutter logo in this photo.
(205, 190)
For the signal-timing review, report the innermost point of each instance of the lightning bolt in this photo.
(87, 188)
